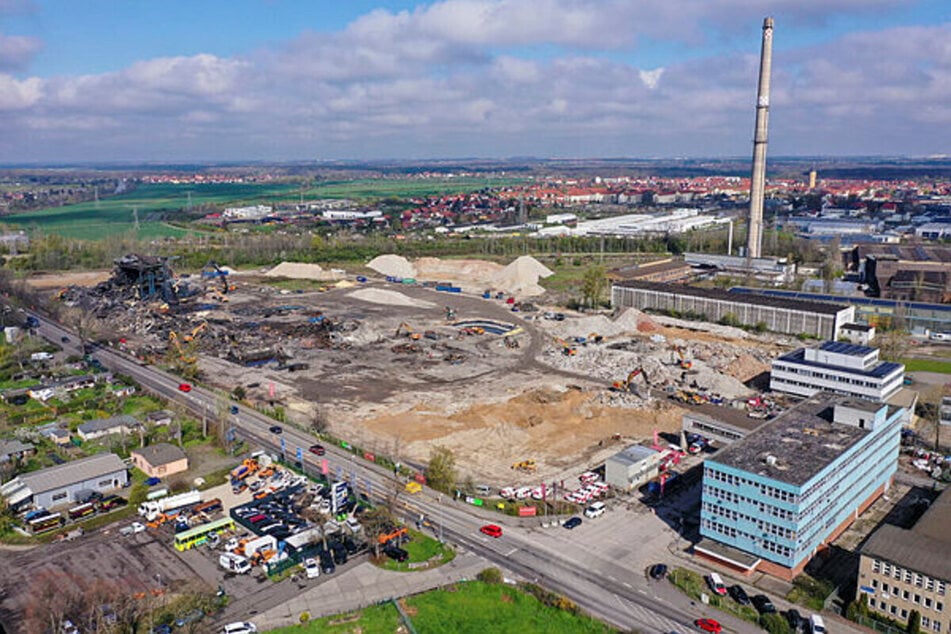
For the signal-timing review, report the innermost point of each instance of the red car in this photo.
(492, 530)
(709, 625)
(318, 449)
(184, 387)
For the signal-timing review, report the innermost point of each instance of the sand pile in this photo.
(628, 322)
(473, 275)
(389, 298)
(300, 271)
(521, 277)
(395, 265)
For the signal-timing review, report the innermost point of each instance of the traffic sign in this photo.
(300, 455)
(283, 446)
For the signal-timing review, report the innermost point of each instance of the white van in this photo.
(595, 510)
(716, 584)
(483, 489)
(241, 627)
(817, 625)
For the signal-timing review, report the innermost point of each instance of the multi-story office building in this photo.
(776, 497)
(841, 368)
(901, 570)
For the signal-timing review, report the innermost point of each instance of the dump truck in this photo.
(152, 509)
(242, 471)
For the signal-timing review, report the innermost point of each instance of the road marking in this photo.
(627, 585)
(511, 552)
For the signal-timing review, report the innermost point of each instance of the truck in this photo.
(151, 509)
(234, 563)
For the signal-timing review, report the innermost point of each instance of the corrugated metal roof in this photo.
(72, 472)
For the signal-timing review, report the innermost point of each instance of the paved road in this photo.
(600, 585)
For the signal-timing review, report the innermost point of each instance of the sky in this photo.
(269, 80)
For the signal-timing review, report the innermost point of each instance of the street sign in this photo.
(867, 589)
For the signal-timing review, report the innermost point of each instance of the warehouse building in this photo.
(632, 467)
(778, 315)
(842, 368)
(66, 483)
(721, 425)
(774, 499)
(904, 570)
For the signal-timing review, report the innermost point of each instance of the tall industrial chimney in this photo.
(754, 246)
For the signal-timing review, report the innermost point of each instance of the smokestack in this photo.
(754, 246)
(812, 178)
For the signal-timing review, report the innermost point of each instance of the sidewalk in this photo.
(363, 586)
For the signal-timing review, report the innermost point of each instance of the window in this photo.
(874, 583)
(930, 584)
(939, 606)
(917, 598)
(925, 621)
(908, 576)
(105, 483)
(59, 496)
(904, 594)
(885, 588)
(893, 609)
(917, 580)
(887, 569)
(936, 626)
(927, 602)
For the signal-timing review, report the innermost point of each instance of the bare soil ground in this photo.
(45, 281)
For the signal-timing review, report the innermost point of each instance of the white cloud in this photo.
(19, 94)
(651, 77)
(16, 51)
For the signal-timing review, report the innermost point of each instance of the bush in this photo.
(774, 624)
(490, 575)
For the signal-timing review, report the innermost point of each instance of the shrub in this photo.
(774, 624)
(490, 575)
(304, 617)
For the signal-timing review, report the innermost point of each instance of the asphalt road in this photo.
(606, 590)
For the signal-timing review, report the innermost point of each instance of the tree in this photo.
(774, 624)
(377, 521)
(914, 622)
(593, 284)
(441, 472)
(318, 420)
(892, 344)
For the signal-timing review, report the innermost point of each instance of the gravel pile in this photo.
(389, 298)
(300, 271)
(395, 265)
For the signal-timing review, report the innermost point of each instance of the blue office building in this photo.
(773, 499)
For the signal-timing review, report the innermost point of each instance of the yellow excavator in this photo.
(525, 465)
(566, 348)
(182, 355)
(626, 384)
(685, 363)
(405, 329)
(197, 330)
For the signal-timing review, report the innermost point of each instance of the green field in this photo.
(927, 365)
(472, 606)
(113, 216)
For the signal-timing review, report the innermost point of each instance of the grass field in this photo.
(927, 365)
(157, 202)
(463, 608)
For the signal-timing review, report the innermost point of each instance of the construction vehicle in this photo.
(405, 329)
(245, 469)
(595, 338)
(525, 465)
(450, 313)
(197, 330)
(627, 384)
(183, 356)
(388, 536)
(684, 362)
(413, 487)
(152, 509)
(566, 348)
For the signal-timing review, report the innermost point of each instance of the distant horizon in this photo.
(257, 80)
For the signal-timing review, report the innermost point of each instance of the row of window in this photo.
(840, 377)
(894, 610)
(730, 531)
(714, 430)
(730, 514)
(734, 498)
(908, 576)
(769, 491)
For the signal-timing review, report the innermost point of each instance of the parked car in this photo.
(709, 625)
(276, 429)
(492, 530)
(64, 339)
(763, 605)
(164, 628)
(396, 553)
(327, 563)
(312, 568)
(572, 522)
(595, 510)
(716, 584)
(795, 620)
(185, 387)
(239, 627)
(189, 617)
(658, 571)
(739, 595)
(317, 450)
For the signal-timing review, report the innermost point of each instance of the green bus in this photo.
(201, 534)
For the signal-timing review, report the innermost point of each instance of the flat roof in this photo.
(851, 349)
(803, 441)
(878, 371)
(64, 475)
(857, 327)
(735, 298)
(925, 547)
(633, 454)
(728, 415)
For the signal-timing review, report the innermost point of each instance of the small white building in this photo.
(631, 467)
(842, 368)
(859, 334)
(123, 424)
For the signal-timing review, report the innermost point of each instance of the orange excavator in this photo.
(405, 329)
(685, 363)
(627, 384)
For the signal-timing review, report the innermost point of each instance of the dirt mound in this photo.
(395, 265)
(521, 277)
(630, 321)
(300, 271)
(470, 274)
(389, 298)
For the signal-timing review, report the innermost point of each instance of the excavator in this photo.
(182, 355)
(525, 465)
(405, 329)
(626, 384)
(197, 330)
(566, 348)
(685, 363)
